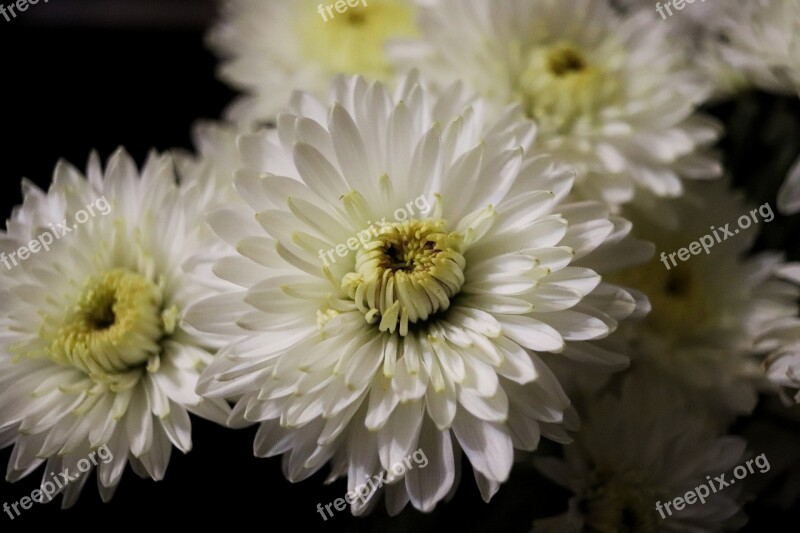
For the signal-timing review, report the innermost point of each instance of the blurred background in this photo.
(80, 75)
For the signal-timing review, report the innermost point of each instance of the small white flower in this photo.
(271, 48)
(763, 41)
(211, 170)
(782, 341)
(789, 195)
(614, 96)
(93, 349)
(637, 450)
(401, 265)
(709, 311)
(696, 24)
(689, 20)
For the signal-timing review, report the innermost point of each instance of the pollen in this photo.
(562, 88)
(115, 325)
(410, 272)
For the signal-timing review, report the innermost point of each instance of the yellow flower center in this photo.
(115, 325)
(620, 506)
(561, 89)
(353, 41)
(407, 274)
(565, 61)
(680, 303)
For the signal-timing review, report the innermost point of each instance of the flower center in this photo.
(565, 60)
(407, 274)
(620, 506)
(679, 299)
(353, 42)
(561, 89)
(115, 325)
(355, 16)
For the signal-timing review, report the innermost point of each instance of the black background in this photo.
(78, 76)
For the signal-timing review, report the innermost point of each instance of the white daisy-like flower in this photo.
(401, 267)
(783, 365)
(782, 341)
(638, 452)
(212, 167)
(614, 96)
(789, 195)
(696, 23)
(94, 352)
(709, 308)
(270, 48)
(689, 20)
(763, 42)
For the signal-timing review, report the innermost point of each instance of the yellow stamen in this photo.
(406, 274)
(115, 325)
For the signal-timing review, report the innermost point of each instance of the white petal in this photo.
(487, 445)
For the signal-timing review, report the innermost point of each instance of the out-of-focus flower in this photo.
(782, 341)
(613, 95)
(640, 450)
(710, 303)
(789, 195)
(763, 41)
(271, 48)
(211, 170)
(696, 24)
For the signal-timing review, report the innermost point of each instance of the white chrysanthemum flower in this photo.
(638, 451)
(789, 195)
(401, 267)
(212, 168)
(763, 42)
(709, 309)
(782, 341)
(613, 95)
(696, 23)
(93, 349)
(271, 48)
(689, 20)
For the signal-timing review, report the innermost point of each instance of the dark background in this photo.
(83, 75)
